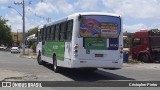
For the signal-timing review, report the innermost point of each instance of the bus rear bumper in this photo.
(96, 64)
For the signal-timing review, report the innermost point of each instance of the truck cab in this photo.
(146, 45)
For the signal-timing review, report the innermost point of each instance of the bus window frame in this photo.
(69, 30)
(63, 31)
(53, 32)
(48, 33)
(57, 30)
(40, 35)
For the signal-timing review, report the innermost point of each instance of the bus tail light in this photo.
(76, 46)
(76, 50)
(121, 49)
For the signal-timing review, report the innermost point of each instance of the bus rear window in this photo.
(100, 26)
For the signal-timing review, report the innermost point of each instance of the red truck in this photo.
(146, 45)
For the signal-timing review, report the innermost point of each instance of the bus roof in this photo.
(77, 14)
(57, 21)
(96, 13)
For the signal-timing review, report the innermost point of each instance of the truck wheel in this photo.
(144, 58)
(55, 67)
(39, 60)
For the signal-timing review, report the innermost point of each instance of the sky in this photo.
(136, 14)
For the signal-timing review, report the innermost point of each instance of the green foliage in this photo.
(154, 32)
(5, 33)
(32, 31)
(34, 46)
(128, 42)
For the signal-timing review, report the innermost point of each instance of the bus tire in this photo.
(39, 59)
(55, 67)
(144, 58)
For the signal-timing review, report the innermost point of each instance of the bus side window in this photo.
(69, 30)
(40, 35)
(63, 31)
(57, 33)
(50, 33)
(37, 35)
(52, 38)
(47, 35)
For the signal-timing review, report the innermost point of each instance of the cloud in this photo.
(16, 22)
(128, 8)
(65, 7)
(134, 8)
(86, 4)
(134, 28)
(157, 25)
(53, 6)
(3, 8)
(3, 1)
(43, 8)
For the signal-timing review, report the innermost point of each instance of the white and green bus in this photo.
(88, 40)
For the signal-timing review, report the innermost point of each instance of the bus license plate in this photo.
(98, 55)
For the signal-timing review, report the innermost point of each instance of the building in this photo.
(17, 38)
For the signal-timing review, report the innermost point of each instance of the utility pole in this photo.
(23, 46)
(48, 19)
(23, 18)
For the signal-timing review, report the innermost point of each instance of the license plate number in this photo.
(98, 55)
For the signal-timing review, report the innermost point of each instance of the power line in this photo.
(48, 19)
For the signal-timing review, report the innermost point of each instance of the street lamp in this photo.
(23, 18)
(15, 10)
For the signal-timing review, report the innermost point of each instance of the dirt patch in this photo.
(133, 61)
(9, 75)
(21, 78)
(29, 56)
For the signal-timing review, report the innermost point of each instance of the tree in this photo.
(5, 33)
(32, 31)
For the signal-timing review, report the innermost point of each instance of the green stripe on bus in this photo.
(95, 43)
(55, 47)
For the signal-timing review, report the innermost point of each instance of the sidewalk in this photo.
(143, 65)
(28, 54)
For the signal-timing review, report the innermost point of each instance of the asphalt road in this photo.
(15, 68)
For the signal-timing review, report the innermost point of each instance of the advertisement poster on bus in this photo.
(100, 26)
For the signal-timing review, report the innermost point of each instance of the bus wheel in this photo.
(144, 58)
(39, 60)
(55, 67)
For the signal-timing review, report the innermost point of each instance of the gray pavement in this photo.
(16, 68)
(12, 65)
(27, 69)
